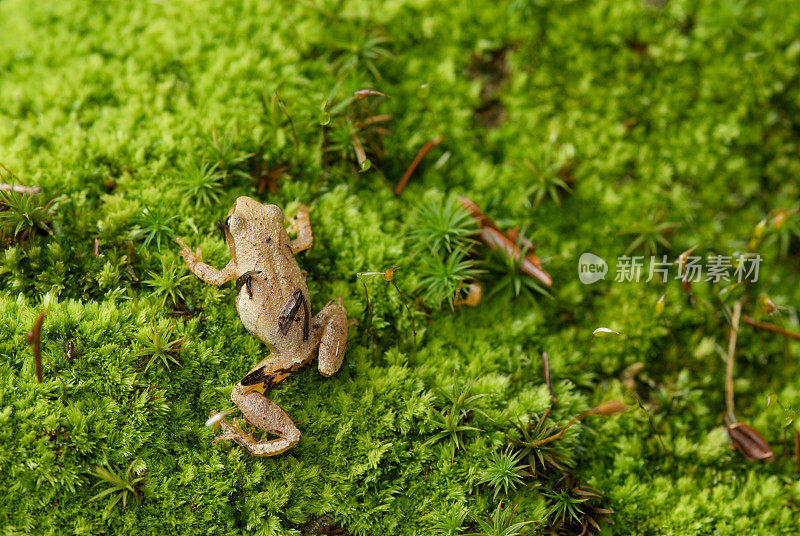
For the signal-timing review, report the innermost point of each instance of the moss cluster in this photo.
(599, 126)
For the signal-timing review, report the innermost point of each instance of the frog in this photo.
(273, 304)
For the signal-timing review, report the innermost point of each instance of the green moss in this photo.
(145, 122)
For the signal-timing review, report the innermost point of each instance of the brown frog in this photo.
(272, 301)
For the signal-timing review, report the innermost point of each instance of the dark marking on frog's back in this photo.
(289, 314)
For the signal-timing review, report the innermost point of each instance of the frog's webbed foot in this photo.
(235, 432)
(231, 431)
(264, 414)
(332, 320)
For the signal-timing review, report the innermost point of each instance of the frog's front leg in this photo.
(262, 412)
(331, 324)
(207, 273)
(302, 225)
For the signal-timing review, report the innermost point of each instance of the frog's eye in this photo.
(235, 224)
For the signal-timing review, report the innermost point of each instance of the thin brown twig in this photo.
(797, 448)
(588, 353)
(546, 365)
(369, 307)
(497, 239)
(672, 336)
(374, 119)
(361, 155)
(737, 313)
(770, 327)
(420, 155)
(411, 316)
(324, 150)
(291, 123)
(35, 340)
(433, 115)
(630, 384)
(652, 424)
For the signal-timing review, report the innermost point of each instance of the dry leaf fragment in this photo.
(750, 443)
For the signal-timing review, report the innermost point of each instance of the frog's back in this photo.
(275, 306)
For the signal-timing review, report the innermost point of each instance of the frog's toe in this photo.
(230, 431)
(222, 437)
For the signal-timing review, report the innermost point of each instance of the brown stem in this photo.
(530, 264)
(369, 307)
(652, 424)
(374, 119)
(557, 435)
(797, 449)
(324, 149)
(476, 212)
(496, 239)
(291, 123)
(770, 327)
(737, 313)
(522, 240)
(674, 340)
(577, 418)
(433, 115)
(588, 351)
(35, 340)
(546, 365)
(420, 155)
(361, 155)
(411, 316)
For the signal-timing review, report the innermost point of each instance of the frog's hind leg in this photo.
(331, 323)
(265, 415)
(262, 412)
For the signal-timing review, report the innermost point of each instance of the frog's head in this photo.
(250, 224)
